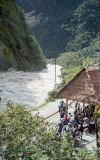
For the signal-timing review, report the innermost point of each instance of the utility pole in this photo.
(97, 54)
(54, 62)
(55, 72)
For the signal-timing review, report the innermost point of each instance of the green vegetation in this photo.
(89, 61)
(40, 106)
(69, 60)
(68, 74)
(96, 114)
(73, 62)
(89, 51)
(52, 95)
(25, 137)
(20, 48)
(62, 26)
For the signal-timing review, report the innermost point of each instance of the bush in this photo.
(25, 137)
(51, 96)
(68, 74)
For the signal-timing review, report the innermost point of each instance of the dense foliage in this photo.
(73, 62)
(19, 46)
(69, 60)
(63, 25)
(90, 51)
(52, 94)
(31, 138)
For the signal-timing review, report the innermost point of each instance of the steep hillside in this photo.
(18, 46)
(62, 25)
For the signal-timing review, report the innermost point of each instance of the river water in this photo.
(28, 87)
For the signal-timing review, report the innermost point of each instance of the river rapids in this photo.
(29, 88)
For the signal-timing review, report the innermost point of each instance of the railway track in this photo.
(56, 112)
(56, 115)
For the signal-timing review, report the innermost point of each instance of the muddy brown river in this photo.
(28, 87)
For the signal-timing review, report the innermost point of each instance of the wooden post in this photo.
(83, 105)
(96, 130)
(96, 113)
(66, 108)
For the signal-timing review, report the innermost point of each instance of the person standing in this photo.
(76, 104)
(59, 106)
(60, 126)
(69, 117)
(77, 134)
(64, 107)
(72, 120)
(75, 112)
(78, 107)
(69, 129)
(81, 130)
(65, 123)
(62, 103)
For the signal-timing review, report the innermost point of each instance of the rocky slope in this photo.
(18, 46)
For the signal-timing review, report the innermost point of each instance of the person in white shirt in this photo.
(69, 117)
(69, 129)
(72, 119)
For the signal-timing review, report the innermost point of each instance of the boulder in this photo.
(11, 69)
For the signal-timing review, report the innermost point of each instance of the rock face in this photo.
(11, 69)
(6, 61)
(4, 66)
(18, 46)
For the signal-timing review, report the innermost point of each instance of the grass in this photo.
(68, 74)
(40, 106)
(44, 157)
(51, 98)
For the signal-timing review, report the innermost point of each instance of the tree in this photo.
(18, 39)
(61, 26)
(69, 60)
(27, 137)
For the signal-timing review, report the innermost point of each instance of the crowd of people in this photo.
(71, 123)
(74, 123)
